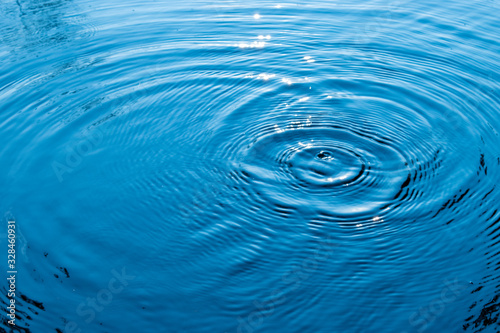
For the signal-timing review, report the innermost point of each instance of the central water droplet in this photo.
(325, 155)
(334, 166)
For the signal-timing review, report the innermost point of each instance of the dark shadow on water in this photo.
(485, 311)
(39, 24)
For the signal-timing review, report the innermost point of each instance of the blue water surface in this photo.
(251, 166)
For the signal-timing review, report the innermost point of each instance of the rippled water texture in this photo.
(251, 166)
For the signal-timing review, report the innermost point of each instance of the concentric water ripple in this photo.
(257, 167)
(336, 153)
